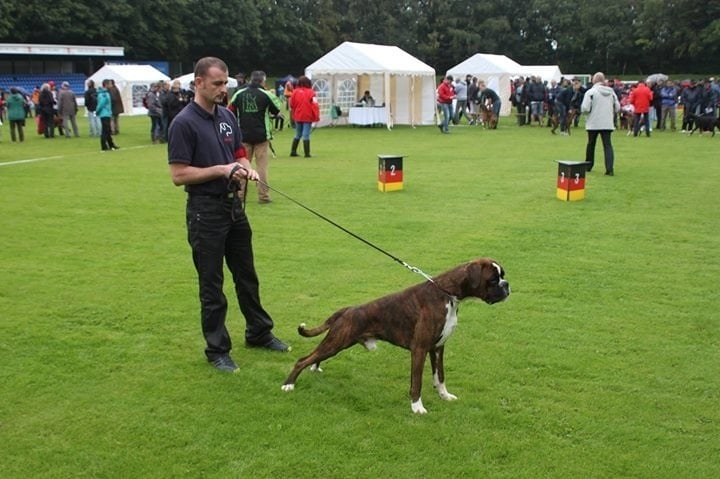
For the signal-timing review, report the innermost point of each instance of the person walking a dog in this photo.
(601, 104)
(641, 99)
(207, 157)
(488, 95)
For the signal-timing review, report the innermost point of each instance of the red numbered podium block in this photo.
(390, 173)
(571, 180)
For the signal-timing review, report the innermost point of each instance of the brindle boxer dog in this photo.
(489, 118)
(570, 119)
(419, 318)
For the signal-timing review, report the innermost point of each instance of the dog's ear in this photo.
(474, 274)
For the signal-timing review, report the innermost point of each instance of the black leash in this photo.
(234, 187)
(414, 269)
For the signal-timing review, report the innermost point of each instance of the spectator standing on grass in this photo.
(472, 99)
(305, 111)
(536, 96)
(709, 98)
(656, 108)
(669, 99)
(104, 112)
(601, 105)
(67, 109)
(461, 99)
(576, 100)
(690, 98)
(562, 105)
(46, 107)
(175, 101)
(91, 106)
(155, 111)
(206, 156)
(16, 114)
(518, 98)
(36, 99)
(715, 87)
(445, 95)
(251, 106)
(117, 106)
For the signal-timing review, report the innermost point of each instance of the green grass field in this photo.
(603, 362)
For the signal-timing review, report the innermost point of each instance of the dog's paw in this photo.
(417, 407)
(447, 396)
(316, 368)
(288, 387)
(443, 392)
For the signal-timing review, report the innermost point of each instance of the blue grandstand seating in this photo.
(30, 81)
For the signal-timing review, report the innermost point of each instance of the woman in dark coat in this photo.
(47, 111)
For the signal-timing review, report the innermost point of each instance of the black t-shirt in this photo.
(489, 93)
(201, 139)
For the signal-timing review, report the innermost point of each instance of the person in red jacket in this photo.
(641, 99)
(445, 96)
(305, 111)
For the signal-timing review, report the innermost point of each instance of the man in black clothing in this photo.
(206, 155)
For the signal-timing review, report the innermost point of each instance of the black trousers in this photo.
(106, 141)
(49, 122)
(218, 234)
(607, 148)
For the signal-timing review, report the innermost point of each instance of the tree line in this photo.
(619, 37)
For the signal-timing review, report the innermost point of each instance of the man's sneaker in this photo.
(225, 363)
(274, 344)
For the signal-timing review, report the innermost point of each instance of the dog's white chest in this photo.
(450, 321)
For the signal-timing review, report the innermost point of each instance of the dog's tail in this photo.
(309, 333)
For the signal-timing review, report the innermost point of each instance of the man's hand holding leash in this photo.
(241, 171)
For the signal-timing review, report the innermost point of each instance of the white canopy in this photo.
(395, 79)
(496, 70)
(548, 73)
(133, 81)
(188, 77)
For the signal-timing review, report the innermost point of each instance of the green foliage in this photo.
(602, 363)
(281, 36)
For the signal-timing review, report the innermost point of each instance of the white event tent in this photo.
(401, 83)
(496, 70)
(133, 81)
(548, 73)
(188, 77)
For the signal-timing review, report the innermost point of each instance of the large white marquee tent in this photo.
(496, 70)
(133, 81)
(547, 72)
(188, 77)
(395, 79)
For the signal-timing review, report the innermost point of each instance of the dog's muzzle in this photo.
(502, 291)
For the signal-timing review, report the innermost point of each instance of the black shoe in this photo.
(609, 173)
(274, 344)
(225, 363)
(441, 128)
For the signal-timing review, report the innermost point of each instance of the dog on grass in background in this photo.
(705, 123)
(569, 119)
(419, 318)
(489, 118)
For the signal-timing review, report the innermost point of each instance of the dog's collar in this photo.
(448, 294)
